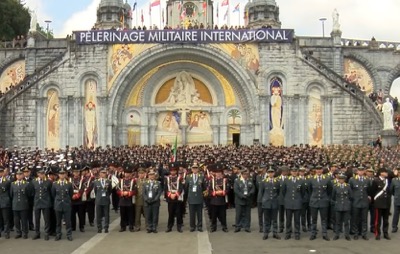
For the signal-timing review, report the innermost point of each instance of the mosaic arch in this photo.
(133, 123)
(355, 73)
(315, 119)
(276, 126)
(53, 119)
(12, 75)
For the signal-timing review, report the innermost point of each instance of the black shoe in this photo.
(91, 224)
(276, 236)
(394, 230)
(378, 237)
(99, 231)
(18, 236)
(106, 230)
(36, 237)
(336, 237)
(225, 230)
(280, 231)
(287, 237)
(168, 230)
(247, 230)
(347, 238)
(31, 228)
(82, 230)
(387, 237)
(305, 230)
(313, 237)
(297, 237)
(213, 230)
(180, 230)
(200, 229)
(192, 230)
(260, 230)
(265, 236)
(7, 236)
(131, 230)
(356, 237)
(57, 238)
(25, 237)
(326, 238)
(237, 230)
(46, 238)
(69, 238)
(149, 231)
(365, 238)
(122, 230)
(155, 231)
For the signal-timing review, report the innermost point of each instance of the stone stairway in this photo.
(351, 89)
(31, 80)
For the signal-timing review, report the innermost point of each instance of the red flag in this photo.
(180, 4)
(225, 2)
(226, 14)
(183, 14)
(155, 3)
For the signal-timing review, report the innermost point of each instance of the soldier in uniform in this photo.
(151, 196)
(342, 196)
(173, 187)
(293, 193)
(28, 178)
(381, 198)
(281, 211)
(62, 192)
(139, 209)
(78, 206)
(360, 186)
(269, 191)
(126, 193)
(259, 179)
(305, 210)
(5, 203)
(320, 188)
(42, 203)
(218, 190)
(244, 189)
(370, 175)
(194, 187)
(20, 192)
(395, 191)
(88, 196)
(102, 188)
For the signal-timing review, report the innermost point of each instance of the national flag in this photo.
(174, 149)
(236, 8)
(162, 16)
(204, 8)
(183, 14)
(142, 17)
(155, 3)
(134, 6)
(130, 15)
(225, 3)
(226, 14)
(180, 4)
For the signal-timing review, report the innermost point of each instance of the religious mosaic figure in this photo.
(91, 114)
(170, 123)
(387, 110)
(276, 113)
(53, 120)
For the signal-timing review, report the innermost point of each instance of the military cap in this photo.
(40, 170)
(294, 169)
(173, 166)
(318, 166)
(76, 167)
(195, 165)
(151, 172)
(382, 170)
(370, 170)
(128, 170)
(62, 171)
(19, 171)
(141, 170)
(103, 170)
(302, 169)
(361, 167)
(342, 176)
(271, 170)
(25, 169)
(1, 168)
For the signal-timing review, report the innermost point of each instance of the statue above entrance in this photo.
(184, 92)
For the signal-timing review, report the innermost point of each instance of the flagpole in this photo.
(136, 10)
(160, 16)
(239, 15)
(229, 14)
(150, 18)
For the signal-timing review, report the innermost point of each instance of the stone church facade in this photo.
(290, 93)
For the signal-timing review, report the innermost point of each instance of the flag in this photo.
(217, 11)
(204, 7)
(162, 16)
(174, 149)
(183, 14)
(226, 14)
(142, 18)
(155, 3)
(225, 3)
(180, 4)
(134, 6)
(150, 9)
(236, 8)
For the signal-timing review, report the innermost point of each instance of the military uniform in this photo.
(244, 191)
(102, 188)
(293, 190)
(281, 209)
(381, 198)
(126, 193)
(173, 187)
(305, 216)
(42, 204)
(342, 196)
(195, 185)
(269, 191)
(218, 191)
(5, 205)
(360, 186)
(320, 188)
(395, 191)
(151, 195)
(78, 206)
(259, 179)
(139, 204)
(62, 193)
(20, 192)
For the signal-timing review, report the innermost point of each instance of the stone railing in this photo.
(343, 84)
(31, 80)
(372, 44)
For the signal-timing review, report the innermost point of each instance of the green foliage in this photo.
(14, 19)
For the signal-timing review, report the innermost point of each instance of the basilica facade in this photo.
(280, 92)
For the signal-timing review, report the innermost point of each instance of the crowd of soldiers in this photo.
(287, 184)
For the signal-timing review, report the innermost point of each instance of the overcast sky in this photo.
(359, 19)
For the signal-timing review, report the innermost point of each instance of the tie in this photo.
(319, 179)
(62, 183)
(195, 178)
(19, 183)
(294, 180)
(40, 182)
(361, 179)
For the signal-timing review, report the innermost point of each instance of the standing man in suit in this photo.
(78, 206)
(28, 178)
(62, 193)
(151, 196)
(281, 212)
(320, 187)
(293, 193)
(395, 191)
(20, 192)
(342, 197)
(380, 193)
(102, 188)
(5, 203)
(269, 191)
(305, 210)
(360, 186)
(244, 189)
(42, 203)
(195, 185)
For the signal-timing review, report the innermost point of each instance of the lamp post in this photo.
(48, 27)
(323, 26)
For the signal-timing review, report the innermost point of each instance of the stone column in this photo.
(327, 119)
(80, 121)
(152, 120)
(303, 119)
(287, 102)
(265, 112)
(102, 101)
(215, 116)
(64, 121)
(41, 121)
(337, 52)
